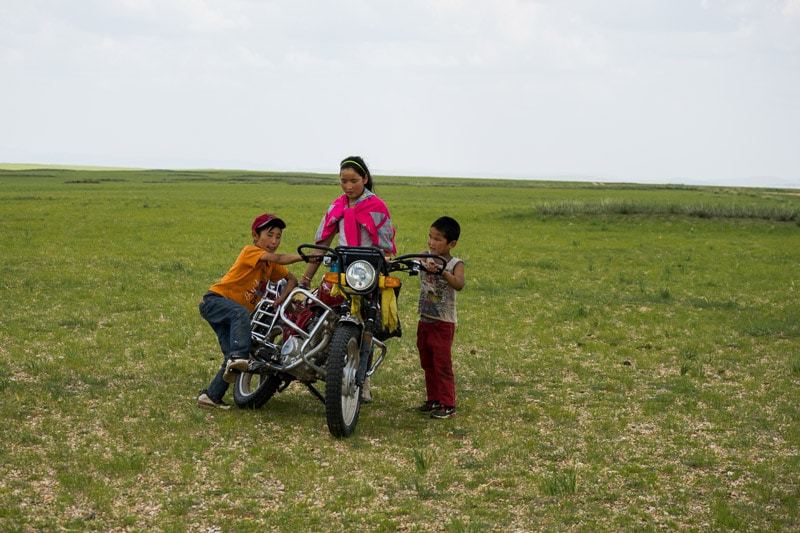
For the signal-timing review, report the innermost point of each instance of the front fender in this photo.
(352, 319)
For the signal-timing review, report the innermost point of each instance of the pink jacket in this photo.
(369, 216)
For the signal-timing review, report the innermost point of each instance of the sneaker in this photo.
(443, 412)
(366, 395)
(427, 407)
(204, 400)
(233, 368)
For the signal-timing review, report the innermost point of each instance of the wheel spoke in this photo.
(350, 390)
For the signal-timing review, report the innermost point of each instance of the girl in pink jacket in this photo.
(358, 216)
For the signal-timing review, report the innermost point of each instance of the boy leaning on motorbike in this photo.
(229, 302)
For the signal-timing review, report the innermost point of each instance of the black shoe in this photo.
(383, 333)
(443, 412)
(427, 407)
(398, 332)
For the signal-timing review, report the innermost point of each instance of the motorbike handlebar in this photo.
(315, 258)
(412, 263)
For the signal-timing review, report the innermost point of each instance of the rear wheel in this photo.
(342, 395)
(253, 390)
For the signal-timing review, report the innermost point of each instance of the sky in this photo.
(647, 91)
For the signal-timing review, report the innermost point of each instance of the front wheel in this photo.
(254, 390)
(342, 395)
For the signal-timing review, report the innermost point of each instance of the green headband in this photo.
(356, 164)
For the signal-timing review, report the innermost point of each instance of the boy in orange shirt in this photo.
(229, 302)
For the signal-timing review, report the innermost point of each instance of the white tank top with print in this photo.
(437, 299)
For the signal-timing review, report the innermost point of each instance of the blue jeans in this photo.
(231, 322)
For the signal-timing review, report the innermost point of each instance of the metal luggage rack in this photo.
(264, 315)
(266, 318)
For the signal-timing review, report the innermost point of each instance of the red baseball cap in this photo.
(267, 219)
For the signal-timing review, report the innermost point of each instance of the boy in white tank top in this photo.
(437, 319)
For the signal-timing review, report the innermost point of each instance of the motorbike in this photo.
(335, 334)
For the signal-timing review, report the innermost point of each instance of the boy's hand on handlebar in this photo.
(431, 266)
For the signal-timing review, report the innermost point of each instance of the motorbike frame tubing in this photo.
(280, 318)
(307, 337)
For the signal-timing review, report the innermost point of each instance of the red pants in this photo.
(434, 341)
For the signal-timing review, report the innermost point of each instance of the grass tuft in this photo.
(560, 482)
(546, 264)
(726, 519)
(786, 326)
(611, 206)
(422, 461)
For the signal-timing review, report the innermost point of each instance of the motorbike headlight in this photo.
(360, 275)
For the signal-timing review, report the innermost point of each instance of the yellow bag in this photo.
(389, 315)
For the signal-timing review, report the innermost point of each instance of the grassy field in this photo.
(628, 358)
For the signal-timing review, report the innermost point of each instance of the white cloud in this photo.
(633, 88)
(791, 8)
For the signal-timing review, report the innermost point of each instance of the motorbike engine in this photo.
(291, 349)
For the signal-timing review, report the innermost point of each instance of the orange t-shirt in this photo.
(242, 283)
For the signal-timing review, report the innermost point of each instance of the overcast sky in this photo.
(667, 91)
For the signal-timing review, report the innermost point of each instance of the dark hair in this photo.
(449, 228)
(356, 163)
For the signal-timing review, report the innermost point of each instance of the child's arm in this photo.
(456, 279)
(313, 266)
(280, 259)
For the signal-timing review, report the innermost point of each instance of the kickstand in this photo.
(315, 392)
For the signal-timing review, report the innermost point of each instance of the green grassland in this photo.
(627, 357)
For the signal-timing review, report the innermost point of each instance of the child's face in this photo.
(437, 242)
(269, 239)
(352, 184)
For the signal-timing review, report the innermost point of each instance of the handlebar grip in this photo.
(316, 257)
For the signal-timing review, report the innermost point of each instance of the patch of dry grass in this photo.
(614, 372)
